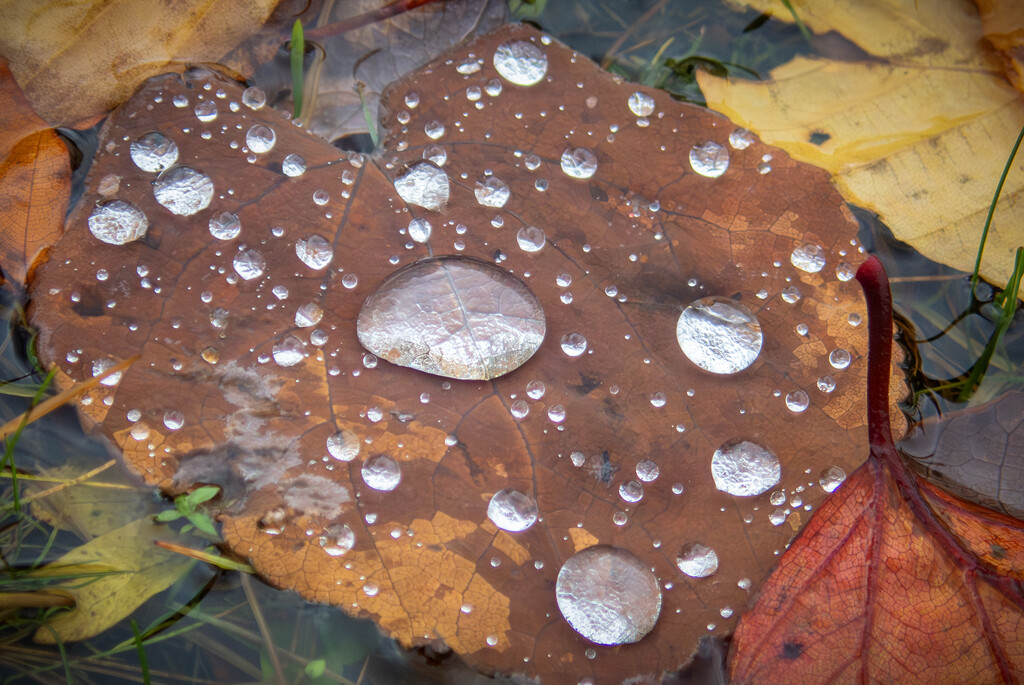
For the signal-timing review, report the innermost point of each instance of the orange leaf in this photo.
(35, 180)
(892, 580)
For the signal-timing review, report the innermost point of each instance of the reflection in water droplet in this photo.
(308, 315)
(381, 473)
(337, 539)
(249, 264)
(530, 239)
(777, 498)
(574, 344)
(423, 184)
(492, 192)
(791, 294)
(519, 409)
(535, 390)
(556, 413)
(741, 139)
(826, 384)
(343, 445)
(839, 358)
(293, 165)
(370, 589)
(744, 468)
(777, 517)
(831, 478)
(174, 419)
(314, 251)
(520, 62)
(647, 471)
(608, 595)
(709, 159)
(797, 401)
(183, 190)
(512, 510)
(579, 162)
(809, 258)
(419, 230)
(697, 560)
(844, 271)
(154, 152)
(434, 129)
(719, 335)
(455, 317)
(206, 110)
(117, 222)
(854, 319)
(288, 352)
(260, 139)
(226, 226)
(641, 104)
(254, 98)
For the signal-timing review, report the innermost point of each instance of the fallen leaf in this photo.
(35, 180)
(78, 60)
(919, 135)
(1002, 22)
(380, 488)
(978, 449)
(130, 570)
(892, 580)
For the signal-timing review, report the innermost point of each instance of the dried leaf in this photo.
(35, 180)
(78, 60)
(1002, 22)
(919, 136)
(132, 568)
(380, 488)
(892, 580)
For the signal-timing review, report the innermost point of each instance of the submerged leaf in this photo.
(443, 508)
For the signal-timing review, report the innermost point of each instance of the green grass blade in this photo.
(140, 648)
(298, 53)
(992, 210)
(799, 22)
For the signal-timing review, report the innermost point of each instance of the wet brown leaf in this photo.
(293, 438)
(35, 180)
(78, 60)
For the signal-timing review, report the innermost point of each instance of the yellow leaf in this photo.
(919, 136)
(78, 59)
(135, 569)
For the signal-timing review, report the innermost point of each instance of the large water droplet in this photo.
(381, 473)
(288, 352)
(608, 595)
(709, 159)
(337, 539)
(492, 192)
(254, 98)
(260, 138)
(249, 264)
(343, 445)
(117, 222)
(512, 510)
(314, 251)
(719, 335)
(455, 317)
(183, 190)
(154, 152)
(293, 165)
(225, 227)
(641, 104)
(697, 560)
(744, 468)
(579, 162)
(423, 184)
(809, 258)
(520, 62)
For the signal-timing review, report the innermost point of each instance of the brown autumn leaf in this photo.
(79, 60)
(892, 580)
(35, 180)
(1002, 22)
(253, 377)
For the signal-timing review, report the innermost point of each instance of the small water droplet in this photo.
(381, 473)
(419, 230)
(183, 190)
(777, 517)
(853, 319)
(512, 510)
(574, 344)
(350, 281)
(260, 139)
(697, 560)
(225, 226)
(826, 384)
(641, 104)
(117, 222)
(579, 162)
(709, 159)
(101, 366)
(839, 358)
(154, 152)
(556, 413)
(343, 445)
(844, 271)
(530, 239)
(249, 264)
(608, 595)
(254, 98)
(174, 419)
(293, 165)
(578, 458)
(535, 390)
(831, 478)
(425, 185)
(791, 294)
(809, 258)
(777, 498)
(370, 589)
(744, 469)
(520, 62)
(797, 401)
(719, 335)
(314, 251)
(741, 139)
(519, 409)
(412, 100)
(288, 352)
(647, 471)
(631, 491)
(308, 315)
(337, 539)
(493, 87)
(658, 400)
(435, 154)
(434, 129)
(492, 192)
